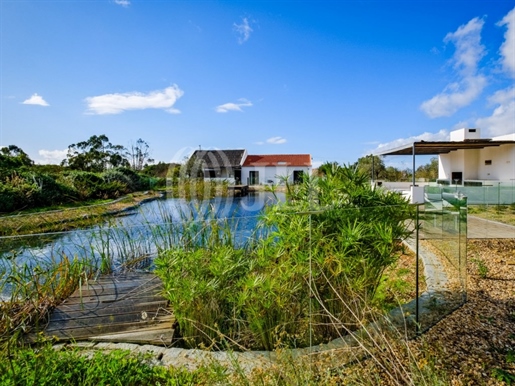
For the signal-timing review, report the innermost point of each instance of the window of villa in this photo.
(488, 162)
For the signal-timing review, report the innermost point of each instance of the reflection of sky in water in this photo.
(141, 232)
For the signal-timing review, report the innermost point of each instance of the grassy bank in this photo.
(501, 213)
(69, 217)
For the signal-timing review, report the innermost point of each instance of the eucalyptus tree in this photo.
(138, 155)
(13, 157)
(96, 154)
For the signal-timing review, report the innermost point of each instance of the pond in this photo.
(135, 237)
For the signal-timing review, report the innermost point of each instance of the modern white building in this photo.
(495, 161)
(272, 169)
(467, 159)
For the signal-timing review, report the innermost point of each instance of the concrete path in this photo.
(478, 228)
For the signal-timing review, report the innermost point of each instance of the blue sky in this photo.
(336, 79)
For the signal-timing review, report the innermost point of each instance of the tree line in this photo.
(98, 169)
(92, 169)
(375, 168)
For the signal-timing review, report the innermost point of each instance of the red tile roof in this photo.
(278, 160)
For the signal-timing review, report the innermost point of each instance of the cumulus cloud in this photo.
(502, 120)
(244, 30)
(51, 156)
(276, 140)
(123, 3)
(35, 99)
(118, 103)
(470, 84)
(226, 107)
(508, 47)
(442, 135)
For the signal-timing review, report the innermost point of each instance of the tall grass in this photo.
(33, 291)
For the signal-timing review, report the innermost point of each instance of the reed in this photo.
(33, 291)
(334, 236)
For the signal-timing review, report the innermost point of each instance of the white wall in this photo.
(272, 173)
(472, 163)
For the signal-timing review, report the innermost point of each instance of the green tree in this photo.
(96, 154)
(428, 171)
(138, 155)
(13, 157)
(371, 162)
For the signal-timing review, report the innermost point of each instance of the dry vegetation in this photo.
(475, 345)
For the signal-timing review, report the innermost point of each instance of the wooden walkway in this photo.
(239, 190)
(125, 308)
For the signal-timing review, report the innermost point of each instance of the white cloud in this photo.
(51, 156)
(226, 107)
(243, 29)
(123, 3)
(118, 103)
(454, 97)
(469, 51)
(442, 135)
(35, 99)
(508, 47)
(276, 140)
(502, 120)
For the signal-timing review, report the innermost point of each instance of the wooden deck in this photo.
(125, 308)
(239, 190)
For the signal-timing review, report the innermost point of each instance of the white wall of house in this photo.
(272, 174)
(495, 163)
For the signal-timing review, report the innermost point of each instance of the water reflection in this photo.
(140, 232)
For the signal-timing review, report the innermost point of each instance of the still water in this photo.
(141, 232)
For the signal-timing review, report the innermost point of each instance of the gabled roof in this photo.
(215, 159)
(278, 160)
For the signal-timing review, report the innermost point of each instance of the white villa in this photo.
(273, 168)
(237, 167)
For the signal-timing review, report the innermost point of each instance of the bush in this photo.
(46, 366)
(17, 193)
(135, 182)
(85, 184)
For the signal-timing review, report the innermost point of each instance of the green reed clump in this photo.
(33, 292)
(333, 239)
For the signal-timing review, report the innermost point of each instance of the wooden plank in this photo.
(104, 300)
(113, 305)
(141, 317)
(61, 314)
(161, 335)
(76, 330)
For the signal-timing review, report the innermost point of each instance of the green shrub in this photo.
(46, 366)
(307, 280)
(17, 193)
(85, 184)
(135, 182)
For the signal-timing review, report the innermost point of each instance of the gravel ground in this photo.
(475, 345)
